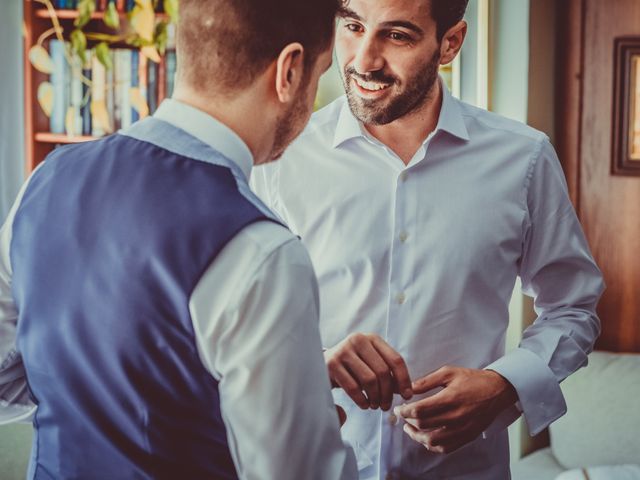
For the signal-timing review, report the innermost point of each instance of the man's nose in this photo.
(369, 56)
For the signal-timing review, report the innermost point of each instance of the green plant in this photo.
(142, 28)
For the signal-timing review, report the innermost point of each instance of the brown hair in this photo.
(446, 14)
(228, 43)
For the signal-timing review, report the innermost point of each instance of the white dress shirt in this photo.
(426, 255)
(255, 317)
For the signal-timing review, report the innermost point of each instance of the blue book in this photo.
(135, 81)
(171, 71)
(59, 82)
(85, 110)
(152, 86)
(129, 5)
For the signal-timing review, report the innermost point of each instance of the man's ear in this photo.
(289, 71)
(452, 42)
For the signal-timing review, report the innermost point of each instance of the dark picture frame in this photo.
(626, 116)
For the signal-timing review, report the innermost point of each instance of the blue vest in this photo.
(108, 244)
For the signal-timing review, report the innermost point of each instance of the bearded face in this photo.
(389, 53)
(379, 98)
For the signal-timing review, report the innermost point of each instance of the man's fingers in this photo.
(439, 378)
(345, 381)
(443, 439)
(397, 365)
(438, 404)
(422, 437)
(435, 421)
(450, 439)
(382, 371)
(366, 378)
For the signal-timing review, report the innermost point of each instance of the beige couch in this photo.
(601, 427)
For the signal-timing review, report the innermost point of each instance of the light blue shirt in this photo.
(427, 254)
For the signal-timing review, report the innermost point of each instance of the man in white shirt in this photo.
(419, 212)
(156, 320)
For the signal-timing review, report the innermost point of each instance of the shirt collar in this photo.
(450, 120)
(208, 130)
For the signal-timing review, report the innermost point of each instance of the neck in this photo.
(239, 114)
(405, 135)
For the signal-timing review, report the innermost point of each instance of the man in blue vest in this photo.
(156, 320)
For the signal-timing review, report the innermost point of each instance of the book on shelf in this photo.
(101, 5)
(98, 87)
(170, 60)
(152, 86)
(85, 106)
(90, 100)
(109, 94)
(134, 64)
(58, 80)
(73, 120)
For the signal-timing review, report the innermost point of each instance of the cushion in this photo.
(607, 472)
(602, 425)
(540, 465)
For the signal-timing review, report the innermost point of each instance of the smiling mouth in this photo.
(371, 86)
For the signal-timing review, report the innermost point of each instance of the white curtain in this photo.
(12, 159)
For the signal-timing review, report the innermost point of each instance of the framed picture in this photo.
(626, 120)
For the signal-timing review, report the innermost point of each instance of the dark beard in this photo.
(289, 127)
(382, 112)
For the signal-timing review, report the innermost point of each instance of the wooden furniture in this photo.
(37, 21)
(608, 205)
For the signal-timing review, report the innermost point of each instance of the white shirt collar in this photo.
(450, 120)
(208, 130)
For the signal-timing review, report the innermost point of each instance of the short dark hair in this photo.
(231, 42)
(446, 14)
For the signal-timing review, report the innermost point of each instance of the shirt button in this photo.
(393, 420)
(403, 176)
(400, 298)
(403, 236)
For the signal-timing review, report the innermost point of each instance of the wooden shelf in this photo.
(46, 137)
(39, 142)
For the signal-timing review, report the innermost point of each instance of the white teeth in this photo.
(371, 85)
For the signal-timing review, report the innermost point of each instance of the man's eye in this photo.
(398, 37)
(353, 27)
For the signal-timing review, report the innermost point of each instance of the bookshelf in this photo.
(38, 20)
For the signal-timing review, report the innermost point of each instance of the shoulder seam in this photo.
(535, 135)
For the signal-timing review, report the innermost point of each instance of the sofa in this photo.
(599, 437)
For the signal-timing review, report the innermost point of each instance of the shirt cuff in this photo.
(539, 393)
(503, 421)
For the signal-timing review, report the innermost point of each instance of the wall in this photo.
(519, 83)
(11, 99)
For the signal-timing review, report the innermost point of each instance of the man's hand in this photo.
(468, 403)
(369, 370)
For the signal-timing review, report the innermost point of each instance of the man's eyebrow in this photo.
(404, 24)
(346, 12)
